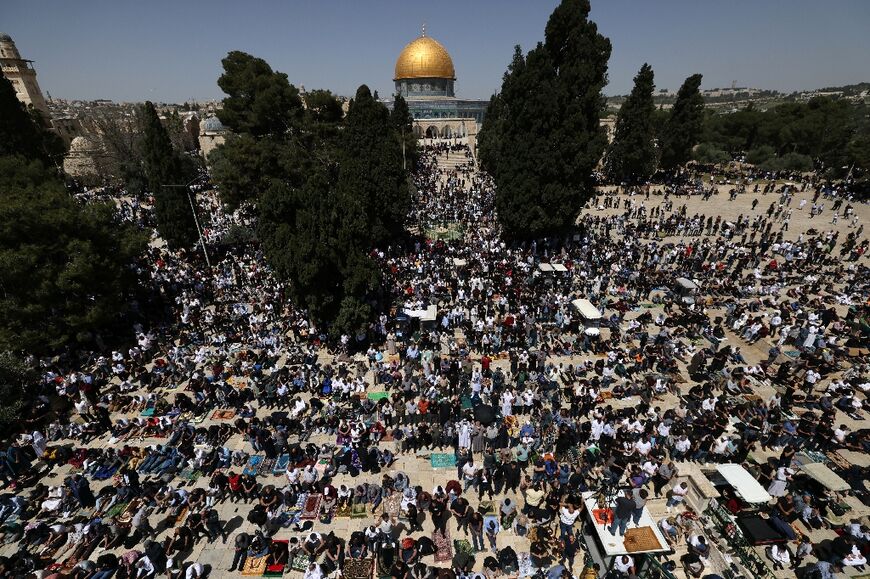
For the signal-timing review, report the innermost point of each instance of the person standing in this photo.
(491, 534)
(241, 544)
(622, 512)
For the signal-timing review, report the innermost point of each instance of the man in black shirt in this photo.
(242, 542)
(622, 512)
(461, 511)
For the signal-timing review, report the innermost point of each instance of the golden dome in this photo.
(424, 58)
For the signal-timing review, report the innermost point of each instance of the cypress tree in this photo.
(544, 139)
(403, 124)
(164, 166)
(683, 128)
(371, 177)
(632, 155)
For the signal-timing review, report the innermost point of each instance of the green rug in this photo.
(116, 510)
(442, 460)
(378, 395)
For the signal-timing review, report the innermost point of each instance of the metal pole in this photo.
(195, 218)
(198, 228)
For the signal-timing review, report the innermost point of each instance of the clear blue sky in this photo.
(170, 50)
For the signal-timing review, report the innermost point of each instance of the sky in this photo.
(170, 51)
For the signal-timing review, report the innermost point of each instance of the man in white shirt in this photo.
(568, 515)
(624, 564)
(678, 495)
(469, 470)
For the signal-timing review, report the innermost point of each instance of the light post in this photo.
(195, 218)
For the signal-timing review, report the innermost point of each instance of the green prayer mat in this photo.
(116, 510)
(378, 395)
(359, 511)
(463, 546)
(442, 460)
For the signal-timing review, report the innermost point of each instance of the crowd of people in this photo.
(130, 459)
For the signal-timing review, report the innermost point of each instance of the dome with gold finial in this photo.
(424, 57)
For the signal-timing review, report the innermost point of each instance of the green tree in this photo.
(710, 154)
(15, 379)
(64, 268)
(403, 123)
(632, 154)
(244, 167)
(259, 100)
(372, 184)
(23, 132)
(167, 174)
(542, 137)
(684, 126)
(323, 106)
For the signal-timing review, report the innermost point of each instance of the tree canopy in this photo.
(631, 156)
(168, 174)
(372, 185)
(24, 132)
(823, 134)
(682, 130)
(259, 100)
(541, 137)
(328, 188)
(64, 267)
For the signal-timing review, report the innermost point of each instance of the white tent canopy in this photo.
(748, 489)
(428, 315)
(687, 283)
(825, 476)
(586, 309)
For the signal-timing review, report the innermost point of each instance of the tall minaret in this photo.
(22, 75)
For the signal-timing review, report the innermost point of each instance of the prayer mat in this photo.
(442, 460)
(344, 511)
(277, 559)
(147, 412)
(238, 382)
(311, 508)
(253, 464)
(189, 474)
(443, 547)
(392, 505)
(223, 415)
(486, 508)
(281, 464)
(300, 501)
(199, 419)
(386, 558)
(463, 546)
(255, 566)
(466, 403)
(181, 516)
(641, 539)
(116, 510)
(358, 568)
(300, 562)
(378, 395)
(266, 466)
(359, 511)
